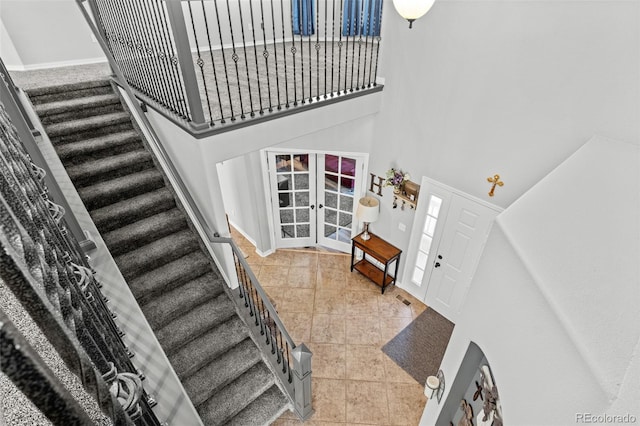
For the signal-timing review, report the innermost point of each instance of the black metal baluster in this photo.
(333, 41)
(310, 62)
(213, 68)
(160, 46)
(172, 58)
(366, 41)
(265, 54)
(346, 53)
(325, 48)
(378, 38)
(200, 61)
(275, 54)
(150, 51)
(353, 54)
(235, 58)
(340, 46)
(246, 63)
(255, 55)
(284, 56)
(317, 46)
(124, 39)
(361, 18)
(105, 20)
(293, 53)
(224, 63)
(301, 51)
(150, 77)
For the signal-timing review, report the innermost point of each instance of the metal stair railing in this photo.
(45, 269)
(212, 66)
(292, 361)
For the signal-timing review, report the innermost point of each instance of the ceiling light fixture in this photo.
(412, 9)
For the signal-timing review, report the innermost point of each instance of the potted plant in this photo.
(397, 179)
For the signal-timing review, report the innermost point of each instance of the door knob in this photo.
(439, 257)
(320, 206)
(437, 265)
(312, 206)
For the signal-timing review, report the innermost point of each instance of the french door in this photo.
(314, 197)
(450, 230)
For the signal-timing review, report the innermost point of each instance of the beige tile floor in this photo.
(345, 320)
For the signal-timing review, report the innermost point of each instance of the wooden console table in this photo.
(380, 250)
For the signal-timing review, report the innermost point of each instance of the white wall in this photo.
(477, 88)
(46, 33)
(554, 302)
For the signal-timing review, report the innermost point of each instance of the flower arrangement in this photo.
(396, 178)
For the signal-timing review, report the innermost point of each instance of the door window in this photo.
(426, 239)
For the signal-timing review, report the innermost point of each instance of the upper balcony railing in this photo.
(215, 62)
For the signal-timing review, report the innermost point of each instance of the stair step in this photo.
(157, 253)
(69, 91)
(234, 397)
(169, 305)
(264, 410)
(194, 323)
(142, 232)
(95, 171)
(78, 152)
(108, 192)
(74, 130)
(200, 352)
(69, 109)
(128, 211)
(221, 371)
(169, 276)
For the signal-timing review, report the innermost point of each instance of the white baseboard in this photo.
(61, 64)
(244, 234)
(265, 253)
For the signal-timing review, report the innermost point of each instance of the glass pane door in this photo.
(338, 190)
(293, 183)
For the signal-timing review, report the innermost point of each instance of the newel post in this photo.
(302, 381)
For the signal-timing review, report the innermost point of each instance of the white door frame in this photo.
(264, 154)
(428, 186)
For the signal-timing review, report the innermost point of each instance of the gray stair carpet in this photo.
(173, 279)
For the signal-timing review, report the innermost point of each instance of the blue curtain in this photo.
(361, 17)
(304, 13)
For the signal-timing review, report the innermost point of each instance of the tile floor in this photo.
(345, 320)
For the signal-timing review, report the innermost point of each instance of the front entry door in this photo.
(453, 230)
(313, 198)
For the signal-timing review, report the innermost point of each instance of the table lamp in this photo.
(367, 212)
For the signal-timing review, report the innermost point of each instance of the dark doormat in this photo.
(420, 346)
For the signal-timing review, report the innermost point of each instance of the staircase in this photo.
(173, 279)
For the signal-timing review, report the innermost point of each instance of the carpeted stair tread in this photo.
(121, 188)
(130, 210)
(114, 166)
(169, 305)
(264, 410)
(71, 127)
(221, 371)
(64, 106)
(234, 397)
(96, 147)
(195, 322)
(134, 235)
(169, 276)
(157, 253)
(198, 353)
(68, 91)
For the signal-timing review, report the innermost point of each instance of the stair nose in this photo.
(69, 109)
(57, 131)
(128, 211)
(49, 94)
(221, 371)
(168, 306)
(169, 276)
(194, 323)
(142, 232)
(157, 253)
(198, 353)
(112, 191)
(230, 400)
(102, 146)
(264, 410)
(92, 172)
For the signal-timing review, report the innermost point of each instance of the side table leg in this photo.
(353, 254)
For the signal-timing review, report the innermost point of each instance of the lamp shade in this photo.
(368, 209)
(412, 9)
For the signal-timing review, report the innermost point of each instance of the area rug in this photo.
(420, 346)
